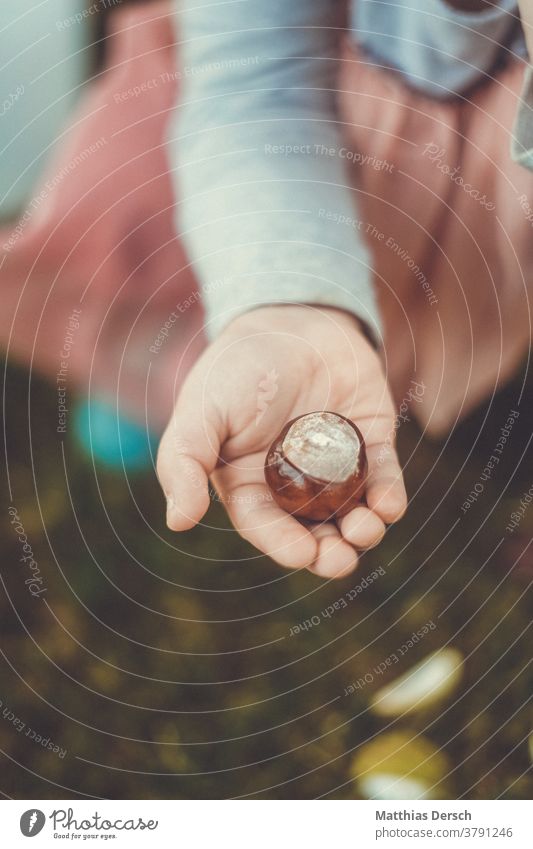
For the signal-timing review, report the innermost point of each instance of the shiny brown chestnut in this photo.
(316, 467)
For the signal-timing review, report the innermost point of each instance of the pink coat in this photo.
(95, 282)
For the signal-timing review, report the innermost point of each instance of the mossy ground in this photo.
(164, 665)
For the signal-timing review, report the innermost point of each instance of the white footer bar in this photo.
(267, 824)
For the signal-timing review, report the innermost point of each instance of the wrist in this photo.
(294, 317)
(471, 5)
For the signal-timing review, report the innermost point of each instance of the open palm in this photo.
(267, 367)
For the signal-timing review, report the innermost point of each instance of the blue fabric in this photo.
(439, 50)
(112, 439)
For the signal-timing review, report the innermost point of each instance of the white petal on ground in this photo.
(401, 762)
(428, 683)
(388, 786)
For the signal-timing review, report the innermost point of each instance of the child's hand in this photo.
(268, 366)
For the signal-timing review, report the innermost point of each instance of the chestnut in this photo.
(316, 467)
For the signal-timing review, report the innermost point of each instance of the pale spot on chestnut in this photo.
(316, 467)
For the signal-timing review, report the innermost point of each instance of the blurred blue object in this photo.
(46, 57)
(112, 439)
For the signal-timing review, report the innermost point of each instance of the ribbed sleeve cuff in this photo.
(522, 137)
(322, 278)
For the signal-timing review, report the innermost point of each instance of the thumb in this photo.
(187, 454)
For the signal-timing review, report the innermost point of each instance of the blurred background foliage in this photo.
(164, 664)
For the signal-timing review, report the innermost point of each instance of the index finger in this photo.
(385, 491)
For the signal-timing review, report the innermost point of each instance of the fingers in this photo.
(259, 520)
(291, 543)
(188, 453)
(385, 492)
(256, 516)
(362, 528)
(335, 557)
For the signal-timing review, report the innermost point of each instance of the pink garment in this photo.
(102, 238)
(472, 242)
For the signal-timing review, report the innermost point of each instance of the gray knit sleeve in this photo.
(263, 204)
